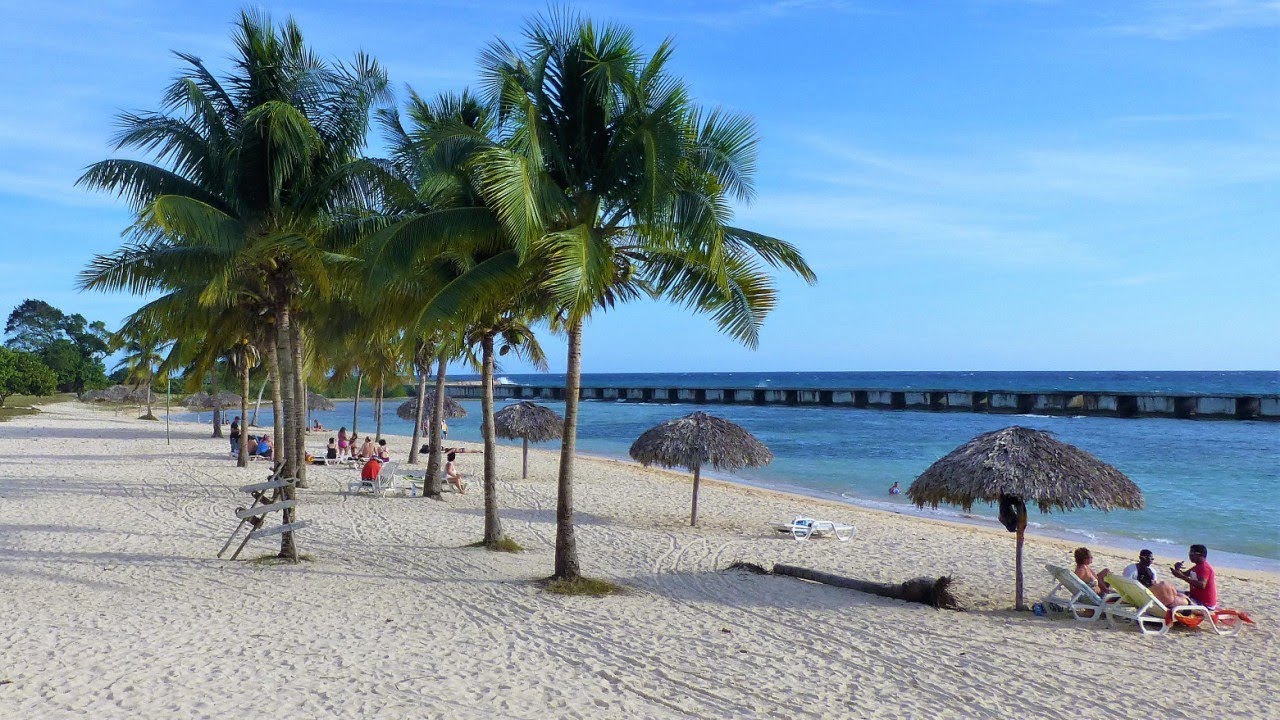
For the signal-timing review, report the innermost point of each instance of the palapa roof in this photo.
(117, 394)
(316, 401)
(1027, 464)
(452, 408)
(203, 400)
(698, 440)
(528, 421)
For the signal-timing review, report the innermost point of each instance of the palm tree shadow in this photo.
(545, 516)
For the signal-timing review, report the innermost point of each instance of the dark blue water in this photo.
(1215, 482)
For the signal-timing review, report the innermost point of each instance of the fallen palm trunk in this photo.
(935, 593)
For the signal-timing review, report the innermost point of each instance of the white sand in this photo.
(114, 605)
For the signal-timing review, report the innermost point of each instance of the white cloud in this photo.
(1181, 19)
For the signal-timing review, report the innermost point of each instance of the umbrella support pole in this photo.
(693, 514)
(1022, 526)
(524, 471)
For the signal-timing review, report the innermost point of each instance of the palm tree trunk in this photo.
(421, 364)
(301, 402)
(693, 514)
(377, 410)
(923, 590)
(566, 544)
(277, 399)
(492, 523)
(432, 487)
(150, 415)
(242, 459)
(284, 352)
(355, 406)
(258, 406)
(217, 405)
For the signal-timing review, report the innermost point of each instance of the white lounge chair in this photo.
(803, 528)
(1083, 602)
(1139, 605)
(379, 486)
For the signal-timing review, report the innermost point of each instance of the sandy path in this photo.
(114, 605)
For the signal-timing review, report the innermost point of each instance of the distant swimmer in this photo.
(895, 490)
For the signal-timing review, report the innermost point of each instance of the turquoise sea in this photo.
(1210, 481)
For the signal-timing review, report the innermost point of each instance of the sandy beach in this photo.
(115, 606)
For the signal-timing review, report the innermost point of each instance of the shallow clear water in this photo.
(1215, 482)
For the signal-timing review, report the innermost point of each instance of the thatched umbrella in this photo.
(316, 401)
(1018, 465)
(530, 422)
(696, 440)
(204, 401)
(452, 408)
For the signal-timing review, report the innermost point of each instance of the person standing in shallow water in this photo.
(895, 490)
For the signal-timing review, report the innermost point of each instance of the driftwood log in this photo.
(923, 590)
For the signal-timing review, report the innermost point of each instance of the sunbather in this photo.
(1200, 576)
(452, 475)
(1096, 581)
(264, 447)
(331, 452)
(368, 449)
(383, 453)
(1142, 570)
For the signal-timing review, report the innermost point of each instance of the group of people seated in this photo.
(1202, 584)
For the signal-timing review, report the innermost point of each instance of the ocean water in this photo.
(1215, 482)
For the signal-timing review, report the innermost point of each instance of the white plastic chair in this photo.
(1137, 604)
(380, 485)
(1083, 603)
(803, 528)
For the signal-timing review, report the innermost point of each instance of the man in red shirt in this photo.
(1204, 586)
(370, 470)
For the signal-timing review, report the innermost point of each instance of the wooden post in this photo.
(525, 471)
(693, 516)
(1022, 526)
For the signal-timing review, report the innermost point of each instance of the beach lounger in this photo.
(1137, 604)
(803, 528)
(1077, 597)
(414, 481)
(384, 482)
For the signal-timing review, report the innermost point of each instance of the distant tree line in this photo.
(47, 351)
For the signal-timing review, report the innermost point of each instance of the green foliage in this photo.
(506, 544)
(582, 586)
(68, 344)
(23, 373)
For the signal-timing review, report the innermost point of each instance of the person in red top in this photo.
(1204, 586)
(371, 469)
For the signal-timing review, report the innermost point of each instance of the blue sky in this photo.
(983, 184)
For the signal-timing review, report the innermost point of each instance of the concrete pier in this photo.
(1067, 402)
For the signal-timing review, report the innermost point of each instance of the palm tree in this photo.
(512, 329)
(437, 229)
(613, 185)
(142, 344)
(250, 173)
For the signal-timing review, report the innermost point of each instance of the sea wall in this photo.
(1106, 404)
